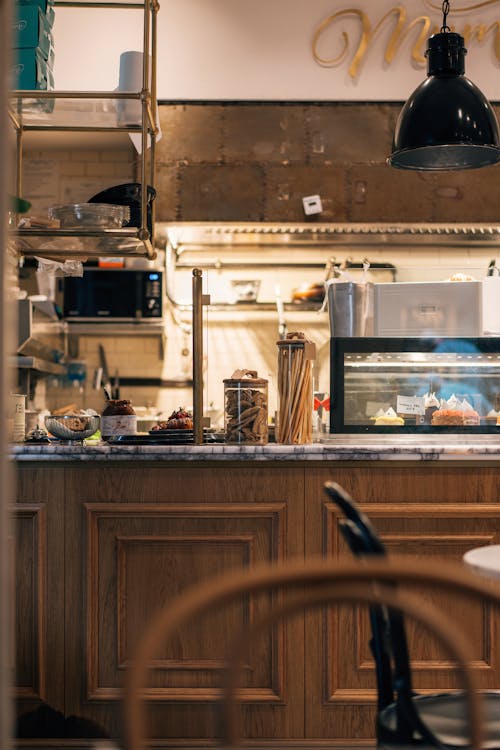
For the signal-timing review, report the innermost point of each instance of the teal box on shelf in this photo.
(30, 72)
(31, 29)
(46, 6)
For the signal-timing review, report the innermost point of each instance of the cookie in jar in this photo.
(118, 418)
(245, 408)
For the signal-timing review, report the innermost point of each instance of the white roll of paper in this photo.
(130, 79)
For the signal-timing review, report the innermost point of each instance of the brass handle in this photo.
(197, 356)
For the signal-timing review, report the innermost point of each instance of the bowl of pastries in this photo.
(72, 427)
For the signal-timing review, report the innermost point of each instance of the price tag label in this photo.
(410, 405)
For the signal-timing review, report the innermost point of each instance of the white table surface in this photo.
(484, 560)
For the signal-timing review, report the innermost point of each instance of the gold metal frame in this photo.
(199, 299)
(147, 128)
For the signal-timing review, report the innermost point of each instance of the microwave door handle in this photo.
(139, 295)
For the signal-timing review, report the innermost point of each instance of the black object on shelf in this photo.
(128, 194)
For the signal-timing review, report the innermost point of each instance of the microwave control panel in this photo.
(152, 295)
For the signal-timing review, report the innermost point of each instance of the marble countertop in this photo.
(332, 448)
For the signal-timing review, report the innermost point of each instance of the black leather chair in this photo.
(405, 717)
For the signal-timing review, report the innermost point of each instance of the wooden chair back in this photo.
(349, 581)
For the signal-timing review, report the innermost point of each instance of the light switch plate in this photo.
(312, 204)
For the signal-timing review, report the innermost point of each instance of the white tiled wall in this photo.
(73, 176)
(228, 345)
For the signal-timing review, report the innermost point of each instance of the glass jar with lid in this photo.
(245, 408)
(118, 418)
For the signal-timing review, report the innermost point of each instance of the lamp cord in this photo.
(446, 9)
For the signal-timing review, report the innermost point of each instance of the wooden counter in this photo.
(101, 545)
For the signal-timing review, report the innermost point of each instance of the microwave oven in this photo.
(113, 295)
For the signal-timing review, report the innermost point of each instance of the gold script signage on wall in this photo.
(415, 31)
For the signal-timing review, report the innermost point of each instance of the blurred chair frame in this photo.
(351, 581)
(402, 713)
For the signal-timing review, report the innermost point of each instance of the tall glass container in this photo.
(245, 408)
(295, 389)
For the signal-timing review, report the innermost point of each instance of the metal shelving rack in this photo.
(61, 111)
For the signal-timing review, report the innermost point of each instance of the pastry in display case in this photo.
(415, 385)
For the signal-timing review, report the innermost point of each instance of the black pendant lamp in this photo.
(447, 123)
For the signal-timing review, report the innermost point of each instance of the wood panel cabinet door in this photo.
(432, 512)
(39, 593)
(148, 535)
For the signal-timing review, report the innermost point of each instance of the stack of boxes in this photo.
(33, 47)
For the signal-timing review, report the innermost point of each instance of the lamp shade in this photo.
(447, 123)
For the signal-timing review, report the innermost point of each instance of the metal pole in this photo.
(197, 356)
(145, 102)
(153, 114)
(19, 164)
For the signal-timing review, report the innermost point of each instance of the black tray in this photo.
(174, 433)
(163, 437)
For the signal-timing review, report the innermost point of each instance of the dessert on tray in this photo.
(388, 417)
(448, 417)
(492, 417)
(178, 420)
(455, 412)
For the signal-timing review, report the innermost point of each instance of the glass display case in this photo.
(415, 385)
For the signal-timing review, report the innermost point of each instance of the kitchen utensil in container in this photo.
(295, 389)
(350, 308)
(245, 408)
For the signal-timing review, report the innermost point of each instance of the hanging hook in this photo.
(446, 9)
